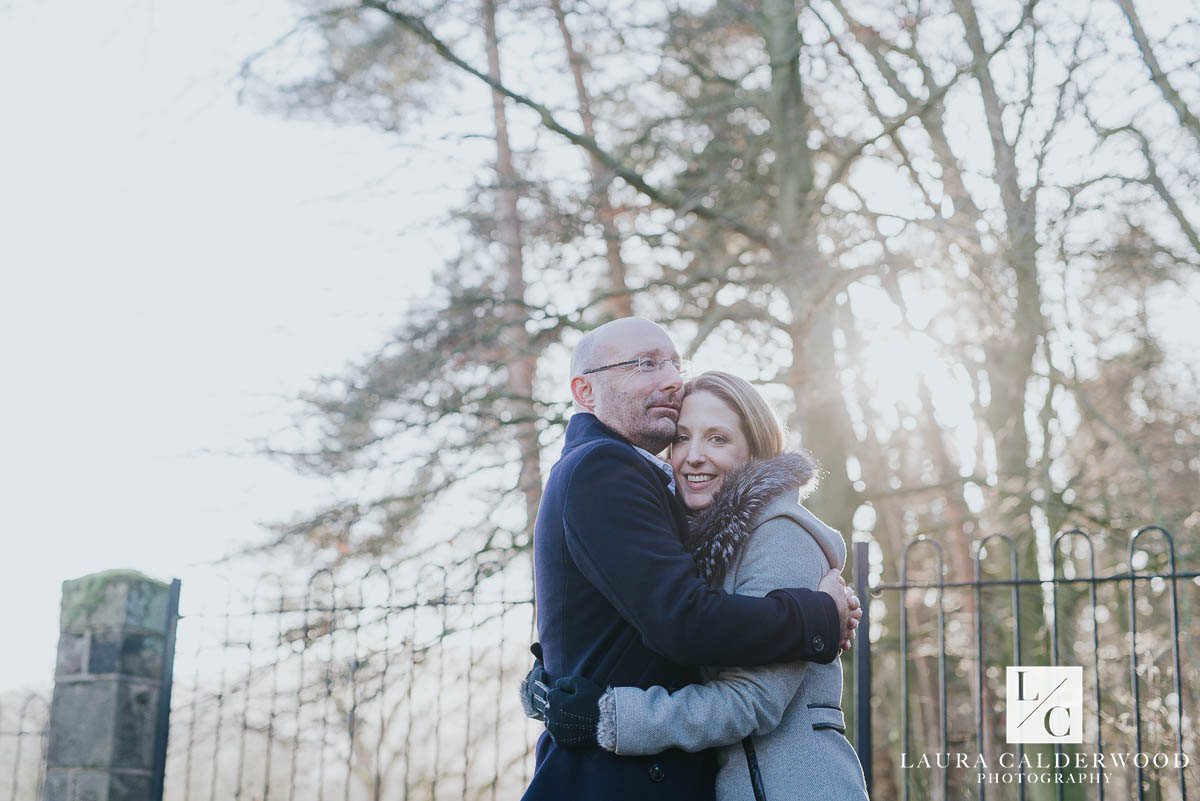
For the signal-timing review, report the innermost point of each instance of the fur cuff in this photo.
(606, 729)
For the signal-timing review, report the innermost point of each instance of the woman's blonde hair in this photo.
(760, 425)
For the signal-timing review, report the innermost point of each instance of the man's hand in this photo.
(848, 606)
(856, 614)
(534, 689)
(573, 712)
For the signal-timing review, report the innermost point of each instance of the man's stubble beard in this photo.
(638, 423)
(656, 435)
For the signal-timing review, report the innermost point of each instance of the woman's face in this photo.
(708, 446)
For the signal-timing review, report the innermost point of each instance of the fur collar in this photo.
(717, 533)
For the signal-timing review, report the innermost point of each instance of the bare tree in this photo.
(801, 184)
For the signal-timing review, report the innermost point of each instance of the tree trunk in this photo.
(820, 410)
(522, 366)
(618, 303)
(1011, 351)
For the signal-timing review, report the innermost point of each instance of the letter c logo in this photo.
(1046, 722)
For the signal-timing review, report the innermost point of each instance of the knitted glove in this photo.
(574, 712)
(534, 688)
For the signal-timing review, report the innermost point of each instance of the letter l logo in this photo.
(1021, 687)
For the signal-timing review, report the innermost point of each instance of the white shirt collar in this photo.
(660, 464)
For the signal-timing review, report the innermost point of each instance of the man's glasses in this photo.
(645, 364)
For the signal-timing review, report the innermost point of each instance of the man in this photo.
(619, 601)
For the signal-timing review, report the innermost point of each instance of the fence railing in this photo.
(380, 689)
(1115, 709)
(23, 733)
(396, 685)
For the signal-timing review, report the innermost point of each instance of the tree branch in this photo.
(630, 176)
(1169, 92)
(1156, 182)
(935, 96)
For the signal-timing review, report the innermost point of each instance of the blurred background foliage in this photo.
(955, 240)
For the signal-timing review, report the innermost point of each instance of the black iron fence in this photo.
(23, 746)
(396, 685)
(1125, 629)
(388, 687)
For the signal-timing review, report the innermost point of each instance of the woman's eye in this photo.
(681, 438)
(718, 439)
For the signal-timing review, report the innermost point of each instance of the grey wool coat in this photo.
(753, 538)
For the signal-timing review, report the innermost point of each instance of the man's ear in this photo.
(583, 393)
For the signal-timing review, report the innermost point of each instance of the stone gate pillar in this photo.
(112, 688)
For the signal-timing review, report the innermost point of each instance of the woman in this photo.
(749, 535)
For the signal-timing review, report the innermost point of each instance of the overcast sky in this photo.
(175, 268)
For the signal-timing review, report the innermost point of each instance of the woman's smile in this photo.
(698, 481)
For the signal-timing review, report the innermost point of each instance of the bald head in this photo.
(617, 340)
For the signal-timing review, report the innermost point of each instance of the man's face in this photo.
(642, 407)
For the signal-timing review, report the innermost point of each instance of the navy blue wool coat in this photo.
(619, 601)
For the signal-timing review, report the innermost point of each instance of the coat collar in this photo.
(763, 489)
(585, 427)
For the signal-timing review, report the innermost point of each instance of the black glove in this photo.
(573, 712)
(534, 689)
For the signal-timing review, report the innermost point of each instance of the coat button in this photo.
(818, 643)
(656, 773)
